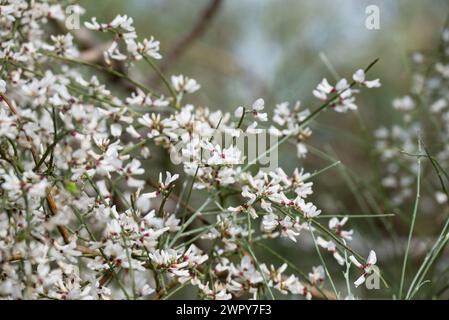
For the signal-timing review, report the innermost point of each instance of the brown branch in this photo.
(322, 295)
(203, 21)
(12, 258)
(160, 294)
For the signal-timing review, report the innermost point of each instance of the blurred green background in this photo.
(273, 49)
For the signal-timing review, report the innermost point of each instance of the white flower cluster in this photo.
(123, 27)
(397, 145)
(81, 217)
(344, 91)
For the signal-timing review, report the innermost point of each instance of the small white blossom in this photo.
(181, 83)
(2, 86)
(367, 267)
(359, 77)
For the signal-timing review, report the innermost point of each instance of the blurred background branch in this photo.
(201, 25)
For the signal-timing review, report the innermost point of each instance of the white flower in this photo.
(323, 89)
(438, 105)
(289, 228)
(302, 188)
(2, 86)
(345, 99)
(133, 168)
(406, 103)
(68, 251)
(93, 25)
(169, 179)
(181, 83)
(359, 77)
(8, 125)
(308, 209)
(317, 275)
(245, 209)
(301, 150)
(124, 22)
(251, 129)
(7, 10)
(227, 156)
(150, 48)
(113, 53)
(440, 197)
(258, 106)
(143, 201)
(443, 69)
(337, 225)
(270, 222)
(367, 268)
(172, 223)
(331, 247)
(145, 290)
(62, 45)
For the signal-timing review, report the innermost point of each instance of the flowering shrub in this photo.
(402, 147)
(81, 217)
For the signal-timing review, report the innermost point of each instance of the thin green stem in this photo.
(161, 75)
(412, 225)
(323, 262)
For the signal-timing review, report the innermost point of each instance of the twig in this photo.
(203, 21)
